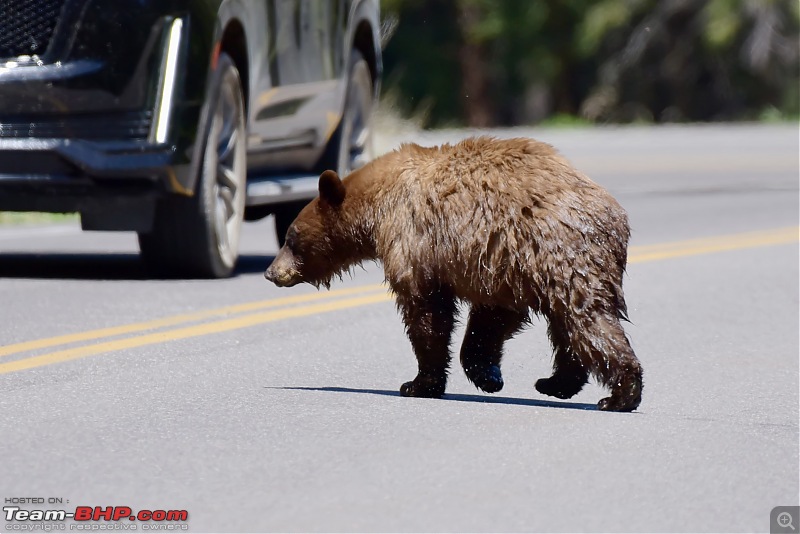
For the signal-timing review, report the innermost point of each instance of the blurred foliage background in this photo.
(506, 62)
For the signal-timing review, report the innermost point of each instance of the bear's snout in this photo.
(281, 271)
(280, 278)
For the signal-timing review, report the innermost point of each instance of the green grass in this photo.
(564, 120)
(24, 217)
(773, 115)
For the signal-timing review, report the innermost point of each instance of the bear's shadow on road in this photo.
(458, 397)
(122, 266)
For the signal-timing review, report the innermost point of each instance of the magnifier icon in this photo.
(785, 520)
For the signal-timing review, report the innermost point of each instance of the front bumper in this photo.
(66, 159)
(114, 185)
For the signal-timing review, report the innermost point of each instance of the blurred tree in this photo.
(421, 59)
(484, 62)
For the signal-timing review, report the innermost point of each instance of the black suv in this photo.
(178, 119)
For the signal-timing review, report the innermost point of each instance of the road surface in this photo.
(255, 408)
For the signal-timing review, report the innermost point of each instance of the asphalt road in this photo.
(283, 414)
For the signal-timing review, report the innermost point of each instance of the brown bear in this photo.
(506, 226)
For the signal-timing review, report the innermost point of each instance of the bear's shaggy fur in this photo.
(506, 226)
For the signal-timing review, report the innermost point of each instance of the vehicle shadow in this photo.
(458, 397)
(122, 266)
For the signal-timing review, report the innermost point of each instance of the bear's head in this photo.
(312, 252)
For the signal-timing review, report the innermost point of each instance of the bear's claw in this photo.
(425, 387)
(489, 380)
(626, 397)
(617, 404)
(559, 387)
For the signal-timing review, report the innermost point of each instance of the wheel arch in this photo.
(233, 42)
(365, 37)
(364, 43)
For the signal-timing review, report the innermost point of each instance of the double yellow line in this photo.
(709, 245)
(253, 313)
(290, 307)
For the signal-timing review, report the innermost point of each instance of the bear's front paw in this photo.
(424, 386)
(559, 387)
(488, 379)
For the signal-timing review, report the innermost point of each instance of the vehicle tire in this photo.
(353, 137)
(198, 236)
(350, 146)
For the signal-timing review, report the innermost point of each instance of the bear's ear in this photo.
(331, 188)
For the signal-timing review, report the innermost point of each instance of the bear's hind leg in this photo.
(487, 330)
(569, 373)
(599, 340)
(429, 321)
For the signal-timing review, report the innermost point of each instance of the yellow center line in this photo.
(191, 331)
(179, 319)
(639, 254)
(710, 245)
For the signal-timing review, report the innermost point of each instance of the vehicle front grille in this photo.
(26, 26)
(117, 126)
